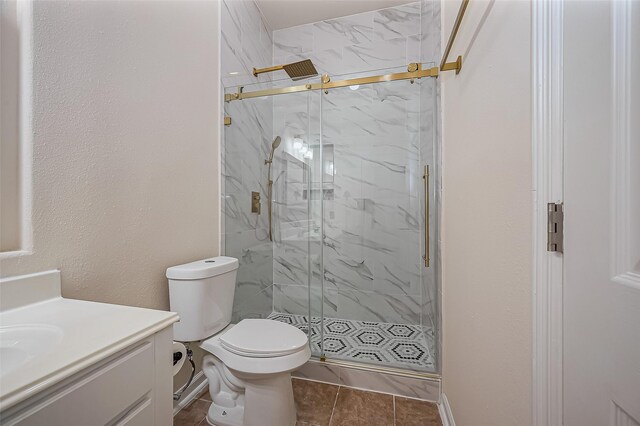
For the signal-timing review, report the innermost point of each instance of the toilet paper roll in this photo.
(179, 347)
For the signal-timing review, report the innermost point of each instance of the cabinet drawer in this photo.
(99, 396)
(140, 415)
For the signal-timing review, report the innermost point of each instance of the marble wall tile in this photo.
(248, 303)
(398, 91)
(326, 61)
(291, 299)
(296, 229)
(430, 31)
(391, 170)
(329, 306)
(250, 19)
(301, 300)
(430, 152)
(427, 389)
(414, 49)
(246, 42)
(338, 99)
(354, 44)
(370, 306)
(293, 40)
(373, 224)
(343, 272)
(363, 378)
(290, 263)
(372, 217)
(231, 31)
(381, 120)
(245, 148)
(375, 55)
(344, 31)
(400, 21)
(254, 252)
(319, 371)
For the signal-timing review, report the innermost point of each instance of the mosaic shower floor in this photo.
(384, 344)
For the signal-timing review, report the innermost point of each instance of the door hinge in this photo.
(555, 228)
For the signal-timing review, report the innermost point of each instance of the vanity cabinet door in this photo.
(119, 391)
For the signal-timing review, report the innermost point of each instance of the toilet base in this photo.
(248, 399)
(220, 416)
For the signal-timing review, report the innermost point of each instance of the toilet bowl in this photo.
(248, 370)
(248, 364)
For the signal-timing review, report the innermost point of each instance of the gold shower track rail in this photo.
(457, 65)
(413, 71)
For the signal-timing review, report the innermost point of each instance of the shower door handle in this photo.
(425, 177)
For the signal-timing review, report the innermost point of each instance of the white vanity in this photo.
(73, 362)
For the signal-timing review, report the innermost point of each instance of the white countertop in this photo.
(90, 332)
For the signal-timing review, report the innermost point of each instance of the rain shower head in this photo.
(300, 70)
(296, 71)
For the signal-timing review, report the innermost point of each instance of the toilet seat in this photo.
(284, 349)
(263, 338)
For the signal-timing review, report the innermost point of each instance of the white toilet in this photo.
(248, 369)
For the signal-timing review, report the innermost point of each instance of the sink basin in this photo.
(20, 344)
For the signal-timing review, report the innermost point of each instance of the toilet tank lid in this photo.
(201, 269)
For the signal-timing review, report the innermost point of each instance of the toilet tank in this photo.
(201, 293)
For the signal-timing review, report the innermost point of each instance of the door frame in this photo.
(548, 160)
(547, 186)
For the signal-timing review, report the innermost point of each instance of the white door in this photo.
(602, 213)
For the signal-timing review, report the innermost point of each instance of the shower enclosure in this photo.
(353, 259)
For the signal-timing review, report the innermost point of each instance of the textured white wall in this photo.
(9, 129)
(125, 146)
(487, 293)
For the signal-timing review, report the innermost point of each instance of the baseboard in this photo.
(194, 390)
(445, 411)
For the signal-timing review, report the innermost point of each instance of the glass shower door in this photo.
(267, 165)
(378, 296)
(246, 145)
(347, 192)
(296, 248)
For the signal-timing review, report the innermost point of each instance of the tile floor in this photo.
(403, 346)
(322, 404)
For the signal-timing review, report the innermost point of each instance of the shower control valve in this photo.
(255, 202)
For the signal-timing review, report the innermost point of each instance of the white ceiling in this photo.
(289, 13)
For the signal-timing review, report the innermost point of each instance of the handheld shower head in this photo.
(276, 143)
